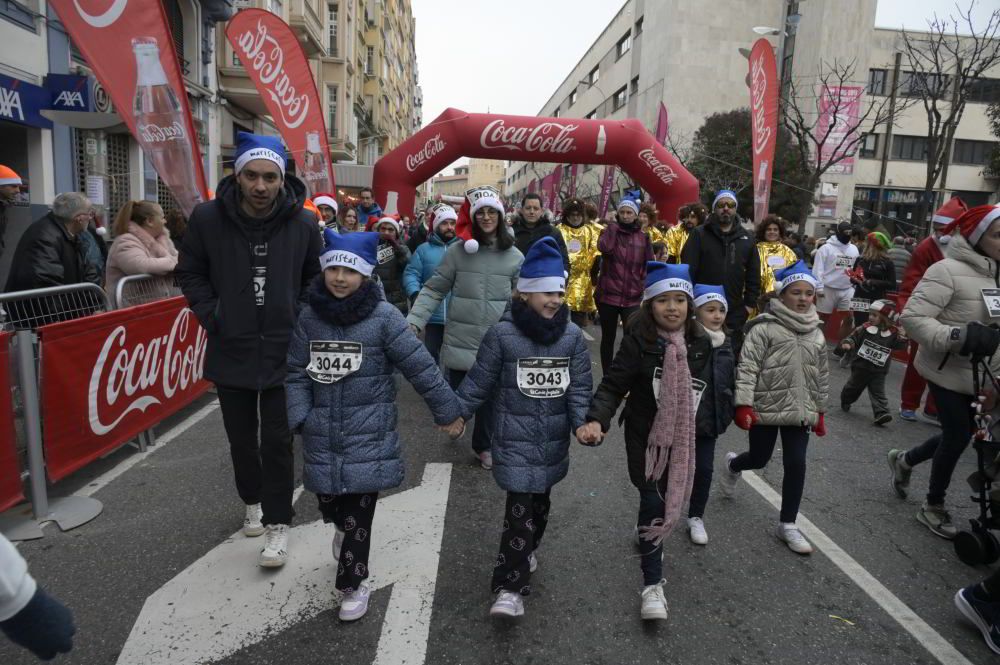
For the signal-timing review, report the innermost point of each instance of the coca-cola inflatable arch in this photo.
(455, 134)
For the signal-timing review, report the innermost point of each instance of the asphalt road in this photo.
(745, 598)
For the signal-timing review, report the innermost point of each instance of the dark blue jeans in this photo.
(651, 506)
(433, 339)
(484, 415)
(704, 460)
(794, 440)
(955, 413)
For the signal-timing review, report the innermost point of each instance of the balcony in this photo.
(308, 27)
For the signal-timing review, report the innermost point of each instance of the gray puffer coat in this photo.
(784, 369)
(480, 285)
(348, 422)
(531, 429)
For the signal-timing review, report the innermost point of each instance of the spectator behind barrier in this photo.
(141, 244)
(176, 225)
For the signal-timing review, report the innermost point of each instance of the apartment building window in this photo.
(591, 115)
(976, 153)
(624, 45)
(633, 88)
(638, 27)
(332, 11)
(869, 146)
(385, 67)
(594, 76)
(918, 84)
(876, 81)
(275, 7)
(909, 148)
(984, 90)
(17, 14)
(370, 60)
(620, 97)
(555, 114)
(572, 98)
(332, 93)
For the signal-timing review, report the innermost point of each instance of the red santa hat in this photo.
(974, 222)
(950, 211)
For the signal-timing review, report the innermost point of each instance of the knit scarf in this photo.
(670, 447)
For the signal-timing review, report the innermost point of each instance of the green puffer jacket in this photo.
(480, 285)
(947, 298)
(783, 372)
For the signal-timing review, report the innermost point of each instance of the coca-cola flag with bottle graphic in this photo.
(273, 58)
(128, 45)
(763, 122)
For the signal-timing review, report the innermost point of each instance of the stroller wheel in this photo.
(972, 547)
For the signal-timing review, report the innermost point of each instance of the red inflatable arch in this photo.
(455, 134)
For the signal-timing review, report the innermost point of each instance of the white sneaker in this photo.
(728, 478)
(696, 529)
(532, 563)
(636, 540)
(654, 603)
(355, 604)
(486, 460)
(338, 542)
(507, 604)
(275, 551)
(252, 526)
(791, 536)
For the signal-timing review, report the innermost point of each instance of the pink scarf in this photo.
(670, 447)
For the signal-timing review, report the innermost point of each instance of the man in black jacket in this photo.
(246, 262)
(722, 252)
(532, 225)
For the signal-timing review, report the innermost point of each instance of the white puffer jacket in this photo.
(784, 371)
(947, 298)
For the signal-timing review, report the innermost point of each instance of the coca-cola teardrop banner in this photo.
(763, 122)
(273, 58)
(127, 43)
(11, 489)
(453, 134)
(108, 377)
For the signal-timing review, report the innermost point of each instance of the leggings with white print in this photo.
(524, 522)
(353, 514)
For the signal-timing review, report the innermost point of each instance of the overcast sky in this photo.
(508, 56)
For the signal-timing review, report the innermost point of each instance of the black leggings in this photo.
(610, 315)
(524, 520)
(353, 514)
(794, 440)
(704, 460)
(955, 413)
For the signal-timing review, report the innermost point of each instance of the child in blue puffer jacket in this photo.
(342, 399)
(535, 367)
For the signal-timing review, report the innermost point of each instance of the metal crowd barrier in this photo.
(27, 310)
(140, 289)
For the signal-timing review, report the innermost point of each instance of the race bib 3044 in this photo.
(330, 361)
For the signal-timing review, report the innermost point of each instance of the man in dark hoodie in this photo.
(531, 225)
(244, 267)
(720, 251)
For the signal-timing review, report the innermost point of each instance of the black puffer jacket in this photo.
(392, 260)
(525, 236)
(728, 258)
(880, 277)
(635, 368)
(47, 255)
(220, 274)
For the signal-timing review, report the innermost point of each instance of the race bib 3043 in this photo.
(543, 378)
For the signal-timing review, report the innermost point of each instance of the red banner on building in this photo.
(108, 377)
(839, 108)
(11, 490)
(763, 122)
(606, 187)
(555, 181)
(572, 180)
(273, 58)
(128, 45)
(661, 125)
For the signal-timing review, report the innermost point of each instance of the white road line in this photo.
(161, 442)
(587, 335)
(931, 640)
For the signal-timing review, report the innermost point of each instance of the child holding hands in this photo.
(535, 367)
(342, 399)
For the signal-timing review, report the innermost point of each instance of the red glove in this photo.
(746, 417)
(820, 427)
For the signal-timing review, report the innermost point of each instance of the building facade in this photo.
(477, 173)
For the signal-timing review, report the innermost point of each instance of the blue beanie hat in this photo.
(542, 270)
(706, 293)
(797, 272)
(663, 277)
(357, 251)
(254, 146)
(725, 194)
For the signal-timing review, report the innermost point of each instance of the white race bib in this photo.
(385, 253)
(860, 304)
(776, 262)
(574, 246)
(259, 283)
(697, 388)
(874, 353)
(331, 361)
(992, 299)
(846, 262)
(543, 378)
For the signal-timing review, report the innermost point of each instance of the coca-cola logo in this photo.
(659, 169)
(433, 146)
(141, 373)
(153, 133)
(758, 90)
(269, 64)
(102, 20)
(551, 137)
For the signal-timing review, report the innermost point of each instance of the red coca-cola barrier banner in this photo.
(763, 122)
(273, 58)
(128, 45)
(453, 134)
(108, 377)
(11, 490)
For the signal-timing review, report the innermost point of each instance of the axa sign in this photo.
(70, 92)
(22, 102)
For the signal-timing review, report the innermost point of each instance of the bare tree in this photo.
(829, 120)
(945, 67)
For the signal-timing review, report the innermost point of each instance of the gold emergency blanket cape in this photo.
(581, 243)
(656, 234)
(676, 238)
(774, 256)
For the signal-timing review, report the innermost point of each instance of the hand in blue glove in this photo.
(44, 627)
